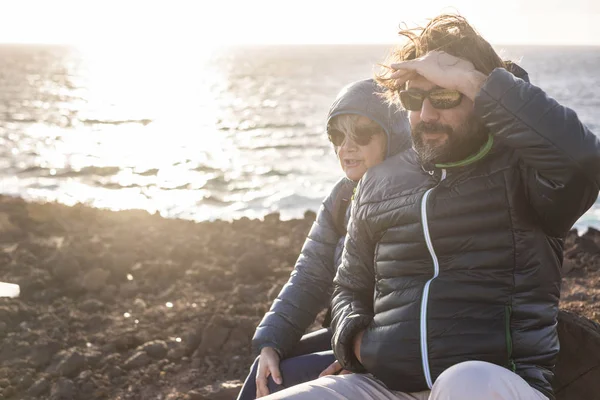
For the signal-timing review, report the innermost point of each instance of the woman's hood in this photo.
(365, 98)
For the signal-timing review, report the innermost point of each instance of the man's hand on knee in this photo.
(335, 368)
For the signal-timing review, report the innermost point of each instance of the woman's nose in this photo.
(348, 144)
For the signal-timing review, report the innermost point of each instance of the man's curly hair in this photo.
(450, 33)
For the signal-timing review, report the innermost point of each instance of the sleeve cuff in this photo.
(343, 341)
(271, 345)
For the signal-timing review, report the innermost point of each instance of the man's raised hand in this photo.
(443, 70)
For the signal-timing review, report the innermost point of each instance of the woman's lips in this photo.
(350, 163)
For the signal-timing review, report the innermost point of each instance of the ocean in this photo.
(207, 134)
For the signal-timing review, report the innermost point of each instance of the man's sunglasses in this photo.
(441, 99)
(363, 136)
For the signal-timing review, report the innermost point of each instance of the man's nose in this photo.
(428, 112)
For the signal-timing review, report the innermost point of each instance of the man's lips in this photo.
(433, 135)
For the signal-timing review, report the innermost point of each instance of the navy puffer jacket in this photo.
(308, 291)
(462, 262)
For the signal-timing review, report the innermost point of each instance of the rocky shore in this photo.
(128, 305)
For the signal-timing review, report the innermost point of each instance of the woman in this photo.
(364, 130)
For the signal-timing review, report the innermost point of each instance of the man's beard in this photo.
(459, 144)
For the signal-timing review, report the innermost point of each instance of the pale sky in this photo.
(212, 23)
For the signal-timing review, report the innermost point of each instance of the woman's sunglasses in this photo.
(441, 99)
(363, 136)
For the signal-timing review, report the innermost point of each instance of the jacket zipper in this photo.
(509, 349)
(425, 298)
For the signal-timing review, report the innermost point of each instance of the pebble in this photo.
(63, 389)
(40, 387)
(156, 349)
(138, 360)
(72, 364)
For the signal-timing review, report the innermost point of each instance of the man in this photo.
(450, 279)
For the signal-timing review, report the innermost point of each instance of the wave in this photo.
(275, 172)
(149, 172)
(70, 173)
(274, 147)
(87, 171)
(204, 168)
(218, 182)
(215, 200)
(295, 200)
(20, 120)
(33, 168)
(249, 127)
(143, 121)
(180, 187)
(117, 186)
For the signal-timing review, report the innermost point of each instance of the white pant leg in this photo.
(478, 380)
(343, 387)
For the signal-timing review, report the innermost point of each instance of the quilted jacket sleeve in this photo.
(560, 156)
(308, 289)
(559, 160)
(352, 304)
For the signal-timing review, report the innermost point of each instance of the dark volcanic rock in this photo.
(63, 265)
(156, 349)
(252, 266)
(95, 279)
(42, 353)
(63, 389)
(72, 364)
(138, 360)
(133, 306)
(127, 341)
(92, 305)
(40, 387)
(213, 336)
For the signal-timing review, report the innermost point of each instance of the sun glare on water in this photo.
(148, 113)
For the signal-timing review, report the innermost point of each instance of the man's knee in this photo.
(470, 379)
(327, 387)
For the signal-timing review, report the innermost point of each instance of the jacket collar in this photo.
(481, 153)
(473, 158)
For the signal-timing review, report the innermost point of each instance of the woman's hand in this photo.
(442, 69)
(268, 365)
